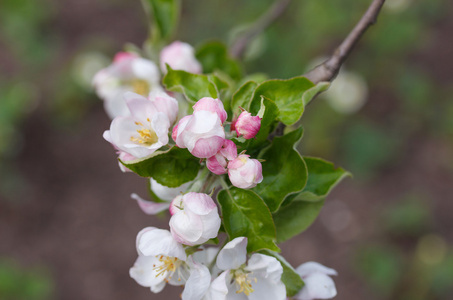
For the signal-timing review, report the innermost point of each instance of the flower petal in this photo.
(313, 267)
(233, 254)
(317, 286)
(150, 207)
(198, 283)
(156, 241)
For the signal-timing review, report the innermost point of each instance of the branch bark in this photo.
(330, 68)
(239, 46)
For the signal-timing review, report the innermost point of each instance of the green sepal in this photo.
(193, 86)
(291, 96)
(290, 278)
(245, 214)
(171, 168)
(284, 170)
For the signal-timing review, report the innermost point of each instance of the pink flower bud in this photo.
(194, 219)
(179, 56)
(244, 172)
(217, 164)
(122, 56)
(211, 104)
(247, 125)
(201, 133)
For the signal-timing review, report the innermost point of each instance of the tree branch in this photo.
(238, 48)
(329, 69)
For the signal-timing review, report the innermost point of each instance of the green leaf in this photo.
(193, 86)
(244, 213)
(214, 56)
(219, 83)
(294, 218)
(165, 15)
(243, 96)
(289, 95)
(322, 178)
(171, 168)
(284, 170)
(290, 278)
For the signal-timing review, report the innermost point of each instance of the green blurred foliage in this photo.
(18, 283)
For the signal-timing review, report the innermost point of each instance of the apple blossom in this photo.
(179, 56)
(217, 164)
(141, 133)
(213, 105)
(318, 285)
(160, 260)
(246, 125)
(128, 72)
(245, 172)
(194, 219)
(201, 133)
(256, 279)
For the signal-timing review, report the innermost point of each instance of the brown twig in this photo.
(329, 69)
(239, 46)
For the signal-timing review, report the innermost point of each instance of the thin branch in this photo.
(329, 69)
(239, 46)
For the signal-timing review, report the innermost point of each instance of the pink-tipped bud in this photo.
(244, 172)
(120, 56)
(213, 105)
(247, 125)
(217, 164)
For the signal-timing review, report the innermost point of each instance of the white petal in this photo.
(317, 286)
(264, 288)
(186, 228)
(115, 106)
(199, 203)
(166, 193)
(160, 242)
(233, 255)
(146, 69)
(265, 265)
(150, 207)
(314, 267)
(198, 282)
(141, 108)
(218, 289)
(142, 272)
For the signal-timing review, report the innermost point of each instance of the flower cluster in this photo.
(147, 122)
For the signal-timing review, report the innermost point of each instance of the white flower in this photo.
(348, 93)
(128, 72)
(160, 260)
(318, 285)
(179, 56)
(194, 219)
(141, 133)
(244, 172)
(258, 279)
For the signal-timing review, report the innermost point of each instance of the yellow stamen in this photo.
(147, 136)
(169, 264)
(244, 283)
(140, 87)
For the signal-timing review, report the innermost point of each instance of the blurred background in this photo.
(67, 224)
